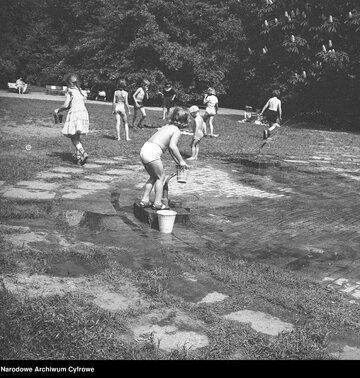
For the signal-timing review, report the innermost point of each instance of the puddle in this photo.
(70, 268)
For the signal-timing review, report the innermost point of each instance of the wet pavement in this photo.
(300, 213)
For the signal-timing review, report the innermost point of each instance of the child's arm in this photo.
(127, 103)
(114, 103)
(134, 97)
(205, 99)
(174, 151)
(66, 104)
(217, 107)
(280, 110)
(173, 97)
(263, 109)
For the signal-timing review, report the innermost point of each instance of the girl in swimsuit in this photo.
(120, 103)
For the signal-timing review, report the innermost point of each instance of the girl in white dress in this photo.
(77, 120)
(120, 103)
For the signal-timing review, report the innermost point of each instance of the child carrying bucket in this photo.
(166, 138)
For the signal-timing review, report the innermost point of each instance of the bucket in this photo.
(166, 220)
(182, 173)
(58, 118)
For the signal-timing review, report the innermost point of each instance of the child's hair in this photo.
(122, 84)
(275, 93)
(167, 83)
(180, 117)
(146, 82)
(68, 80)
(211, 91)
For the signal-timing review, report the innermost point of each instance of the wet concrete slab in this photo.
(51, 175)
(77, 193)
(92, 185)
(100, 178)
(38, 185)
(261, 322)
(92, 166)
(28, 194)
(214, 297)
(105, 161)
(170, 338)
(69, 170)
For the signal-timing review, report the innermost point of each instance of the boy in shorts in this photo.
(166, 138)
(199, 130)
(273, 112)
(139, 96)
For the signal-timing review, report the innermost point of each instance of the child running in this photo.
(274, 111)
(166, 138)
(139, 96)
(77, 120)
(211, 102)
(199, 130)
(169, 95)
(120, 103)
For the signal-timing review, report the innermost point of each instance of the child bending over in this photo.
(166, 138)
(274, 111)
(199, 130)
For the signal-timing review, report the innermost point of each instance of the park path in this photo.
(44, 96)
(299, 213)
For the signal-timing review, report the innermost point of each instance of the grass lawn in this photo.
(69, 325)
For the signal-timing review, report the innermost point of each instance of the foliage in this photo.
(309, 50)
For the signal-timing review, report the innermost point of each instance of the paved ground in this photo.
(43, 96)
(300, 213)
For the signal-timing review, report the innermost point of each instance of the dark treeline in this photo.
(244, 48)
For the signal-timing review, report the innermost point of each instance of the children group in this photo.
(166, 138)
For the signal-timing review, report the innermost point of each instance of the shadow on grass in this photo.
(64, 156)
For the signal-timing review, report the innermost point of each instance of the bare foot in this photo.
(192, 158)
(118, 139)
(128, 139)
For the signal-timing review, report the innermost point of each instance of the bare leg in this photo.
(134, 116)
(156, 180)
(126, 125)
(211, 125)
(143, 116)
(164, 113)
(205, 118)
(193, 151)
(117, 116)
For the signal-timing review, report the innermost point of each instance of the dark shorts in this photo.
(271, 115)
(167, 102)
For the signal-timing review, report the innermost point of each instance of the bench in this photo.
(55, 90)
(13, 88)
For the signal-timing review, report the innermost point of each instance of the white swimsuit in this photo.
(150, 152)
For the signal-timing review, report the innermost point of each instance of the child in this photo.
(77, 120)
(168, 98)
(199, 129)
(211, 102)
(120, 103)
(274, 111)
(139, 96)
(150, 154)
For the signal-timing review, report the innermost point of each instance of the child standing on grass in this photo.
(169, 95)
(199, 130)
(139, 96)
(77, 120)
(273, 112)
(211, 102)
(166, 138)
(120, 103)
